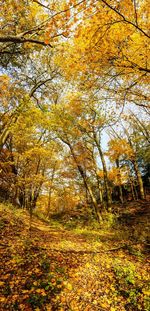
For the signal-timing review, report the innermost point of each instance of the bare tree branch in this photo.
(21, 39)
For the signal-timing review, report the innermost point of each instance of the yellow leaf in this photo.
(39, 290)
(2, 299)
(2, 283)
(69, 286)
(63, 299)
(25, 291)
(37, 270)
(146, 292)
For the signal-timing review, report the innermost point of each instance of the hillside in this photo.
(63, 265)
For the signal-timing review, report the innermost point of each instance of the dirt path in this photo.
(94, 261)
(75, 270)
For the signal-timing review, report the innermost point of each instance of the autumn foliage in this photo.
(74, 132)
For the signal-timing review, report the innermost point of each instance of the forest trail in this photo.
(53, 268)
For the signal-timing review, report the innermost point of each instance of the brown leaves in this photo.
(36, 276)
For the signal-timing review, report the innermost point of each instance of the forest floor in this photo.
(62, 266)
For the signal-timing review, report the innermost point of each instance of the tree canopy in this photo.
(74, 100)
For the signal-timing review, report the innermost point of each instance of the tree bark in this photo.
(119, 187)
(108, 194)
(50, 191)
(139, 179)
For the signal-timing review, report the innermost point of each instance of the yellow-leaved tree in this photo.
(110, 51)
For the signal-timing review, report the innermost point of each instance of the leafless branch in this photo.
(19, 39)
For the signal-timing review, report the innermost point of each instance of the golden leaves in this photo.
(105, 41)
(119, 148)
(67, 285)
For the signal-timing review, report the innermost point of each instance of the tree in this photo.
(67, 69)
(126, 148)
(29, 26)
(110, 51)
(118, 151)
(65, 121)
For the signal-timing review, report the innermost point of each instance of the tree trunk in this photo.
(139, 180)
(119, 187)
(96, 208)
(50, 191)
(132, 189)
(107, 190)
(87, 186)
